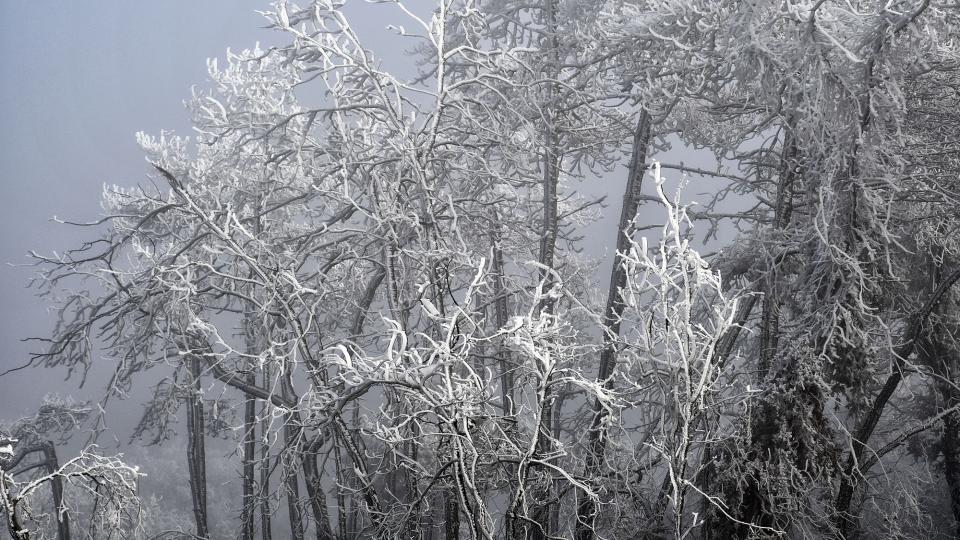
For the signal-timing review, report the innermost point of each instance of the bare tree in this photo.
(100, 490)
(382, 263)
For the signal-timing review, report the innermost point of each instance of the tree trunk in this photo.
(557, 484)
(291, 481)
(56, 486)
(548, 246)
(951, 451)
(362, 477)
(343, 481)
(596, 438)
(753, 504)
(196, 453)
(507, 394)
(551, 153)
(318, 500)
(770, 317)
(266, 530)
(946, 364)
(348, 514)
(249, 440)
(297, 450)
(451, 512)
(249, 458)
(252, 335)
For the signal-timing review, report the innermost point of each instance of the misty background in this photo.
(77, 81)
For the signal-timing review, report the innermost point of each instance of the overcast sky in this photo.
(77, 81)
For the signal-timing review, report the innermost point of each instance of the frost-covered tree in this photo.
(380, 266)
(91, 495)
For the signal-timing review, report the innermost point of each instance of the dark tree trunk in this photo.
(951, 455)
(596, 438)
(196, 453)
(551, 161)
(266, 531)
(249, 461)
(318, 500)
(551, 158)
(56, 486)
(500, 310)
(297, 449)
(410, 489)
(343, 481)
(291, 480)
(753, 505)
(252, 334)
(947, 365)
(451, 512)
(770, 317)
(348, 515)
(362, 477)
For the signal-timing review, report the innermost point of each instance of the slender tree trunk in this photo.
(353, 516)
(507, 393)
(362, 477)
(397, 476)
(596, 438)
(551, 153)
(249, 437)
(557, 484)
(196, 453)
(266, 530)
(252, 335)
(298, 450)
(770, 317)
(342, 481)
(548, 246)
(249, 460)
(450, 498)
(318, 500)
(951, 450)
(410, 489)
(753, 505)
(347, 512)
(292, 485)
(291, 436)
(56, 486)
(451, 511)
(946, 364)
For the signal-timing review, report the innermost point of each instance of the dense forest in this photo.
(368, 281)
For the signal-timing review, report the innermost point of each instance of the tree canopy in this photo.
(381, 267)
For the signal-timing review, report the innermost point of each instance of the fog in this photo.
(362, 301)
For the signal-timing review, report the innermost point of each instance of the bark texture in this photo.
(596, 439)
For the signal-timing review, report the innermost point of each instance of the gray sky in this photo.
(77, 81)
